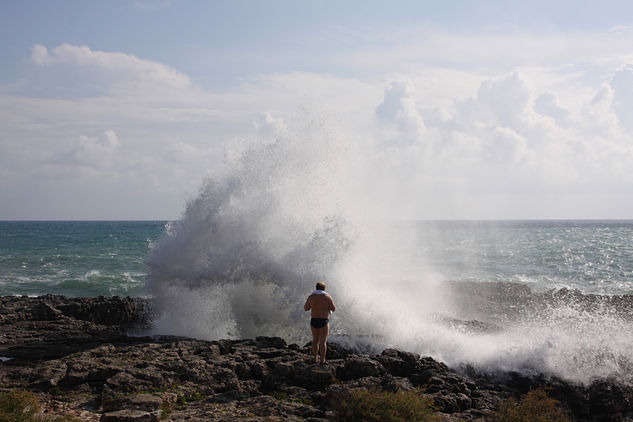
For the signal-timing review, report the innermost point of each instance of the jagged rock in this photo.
(270, 342)
(335, 351)
(314, 375)
(77, 348)
(284, 369)
(452, 403)
(395, 384)
(121, 380)
(52, 373)
(399, 363)
(45, 312)
(258, 369)
(131, 416)
(144, 401)
(360, 367)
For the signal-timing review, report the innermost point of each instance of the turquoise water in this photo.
(76, 258)
(93, 258)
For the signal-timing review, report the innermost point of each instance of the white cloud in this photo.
(491, 50)
(622, 84)
(268, 126)
(503, 142)
(121, 66)
(96, 150)
(547, 105)
(399, 107)
(502, 101)
(443, 140)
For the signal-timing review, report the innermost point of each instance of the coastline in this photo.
(87, 357)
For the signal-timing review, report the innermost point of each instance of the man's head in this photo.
(320, 286)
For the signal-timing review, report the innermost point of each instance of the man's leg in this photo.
(323, 333)
(315, 343)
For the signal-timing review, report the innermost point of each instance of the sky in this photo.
(457, 109)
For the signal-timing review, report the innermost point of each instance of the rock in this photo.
(284, 369)
(395, 384)
(143, 401)
(107, 310)
(314, 375)
(121, 380)
(360, 366)
(336, 351)
(258, 369)
(131, 416)
(398, 363)
(52, 373)
(270, 342)
(78, 349)
(451, 403)
(45, 312)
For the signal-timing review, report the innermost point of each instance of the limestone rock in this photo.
(77, 349)
(131, 416)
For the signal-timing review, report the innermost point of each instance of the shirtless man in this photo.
(322, 305)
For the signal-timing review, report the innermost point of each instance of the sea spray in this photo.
(288, 213)
(254, 241)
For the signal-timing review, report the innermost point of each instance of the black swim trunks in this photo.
(319, 322)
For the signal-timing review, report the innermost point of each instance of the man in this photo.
(322, 306)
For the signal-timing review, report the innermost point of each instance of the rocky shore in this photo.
(81, 357)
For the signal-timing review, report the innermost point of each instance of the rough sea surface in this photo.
(76, 258)
(86, 258)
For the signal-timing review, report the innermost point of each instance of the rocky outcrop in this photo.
(123, 312)
(76, 355)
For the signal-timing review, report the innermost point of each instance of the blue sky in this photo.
(463, 109)
(214, 41)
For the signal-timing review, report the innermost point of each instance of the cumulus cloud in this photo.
(96, 150)
(120, 66)
(503, 101)
(547, 105)
(399, 108)
(268, 126)
(505, 140)
(622, 84)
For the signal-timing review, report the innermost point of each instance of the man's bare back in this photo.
(320, 304)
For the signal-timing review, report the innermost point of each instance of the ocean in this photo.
(91, 258)
(76, 258)
(215, 276)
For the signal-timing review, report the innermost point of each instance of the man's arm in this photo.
(332, 306)
(308, 305)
